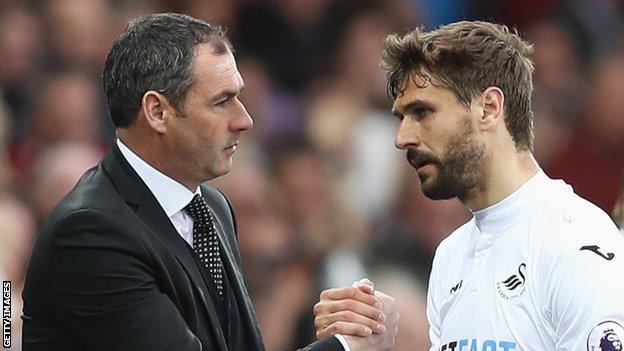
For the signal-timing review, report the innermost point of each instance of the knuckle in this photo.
(348, 304)
(347, 316)
(368, 299)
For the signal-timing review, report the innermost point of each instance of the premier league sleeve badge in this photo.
(606, 336)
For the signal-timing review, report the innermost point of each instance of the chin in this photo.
(435, 191)
(216, 174)
(218, 168)
(224, 169)
(436, 194)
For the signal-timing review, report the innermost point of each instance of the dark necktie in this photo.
(205, 241)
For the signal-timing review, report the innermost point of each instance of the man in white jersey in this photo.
(537, 267)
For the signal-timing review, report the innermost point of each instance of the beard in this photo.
(460, 170)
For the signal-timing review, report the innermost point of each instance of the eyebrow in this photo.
(228, 93)
(410, 107)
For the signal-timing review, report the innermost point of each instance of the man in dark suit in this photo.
(142, 254)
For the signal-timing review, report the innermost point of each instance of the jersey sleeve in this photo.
(582, 280)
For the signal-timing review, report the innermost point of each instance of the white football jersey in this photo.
(541, 270)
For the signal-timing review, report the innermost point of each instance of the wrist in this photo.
(343, 342)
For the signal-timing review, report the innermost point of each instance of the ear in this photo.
(156, 109)
(493, 101)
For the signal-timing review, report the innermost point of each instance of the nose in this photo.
(243, 120)
(408, 135)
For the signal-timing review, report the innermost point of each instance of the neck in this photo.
(504, 174)
(153, 153)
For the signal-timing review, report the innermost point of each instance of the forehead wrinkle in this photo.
(214, 64)
(223, 75)
(220, 71)
(225, 68)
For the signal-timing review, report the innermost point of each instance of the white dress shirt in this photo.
(171, 195)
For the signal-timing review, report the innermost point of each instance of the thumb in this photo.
(365, 285)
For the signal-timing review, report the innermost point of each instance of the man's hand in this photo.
(381, 341)
(350, 311)
(367, 318)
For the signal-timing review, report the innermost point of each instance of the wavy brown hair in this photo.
(468, 57)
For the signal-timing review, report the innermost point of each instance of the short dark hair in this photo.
(155, 52)
(467, 57)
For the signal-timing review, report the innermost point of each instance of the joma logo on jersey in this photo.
(513, 286)
(596, 249)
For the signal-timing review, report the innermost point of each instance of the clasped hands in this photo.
(368, 319)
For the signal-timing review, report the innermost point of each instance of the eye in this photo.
(222, 102)
(422, 112)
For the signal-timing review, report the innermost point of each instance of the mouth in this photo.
(232, 147)
(419, 160)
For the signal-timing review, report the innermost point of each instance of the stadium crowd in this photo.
(321, 195)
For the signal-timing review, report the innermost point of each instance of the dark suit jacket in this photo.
(110, 272)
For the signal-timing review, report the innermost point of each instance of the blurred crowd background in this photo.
(321, 195)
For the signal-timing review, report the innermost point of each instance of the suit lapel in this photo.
(237, 281)
(241, 294)
(135, 192)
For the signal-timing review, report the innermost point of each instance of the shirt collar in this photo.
(171, 195)
(509, 211)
